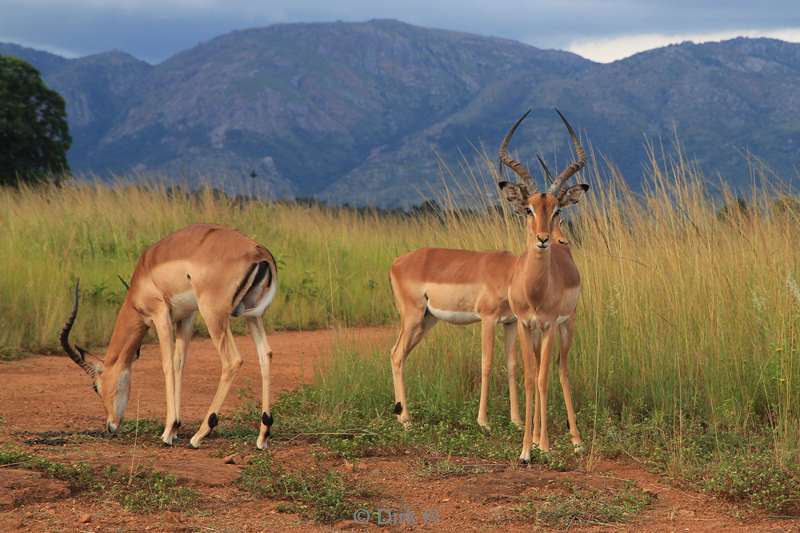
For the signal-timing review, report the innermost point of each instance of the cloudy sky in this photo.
(602, 30)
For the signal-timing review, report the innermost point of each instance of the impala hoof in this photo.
(193, 445)
(262, 441)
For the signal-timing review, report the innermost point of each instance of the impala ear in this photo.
(516, 194)
(572, 195)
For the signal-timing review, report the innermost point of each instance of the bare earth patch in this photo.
(49, 409)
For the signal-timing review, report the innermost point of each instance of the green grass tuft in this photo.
(313, 492)
(143, 427)
(756, 480)
(575, 506)
(144, 491)
(149, 491)
(79, 476)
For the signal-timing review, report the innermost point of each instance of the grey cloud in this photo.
(155, 31)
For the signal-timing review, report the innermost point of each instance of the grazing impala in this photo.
(459, 287)
(544, 288)
(212, 269)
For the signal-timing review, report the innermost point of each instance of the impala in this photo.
(544, 288)
(207, 268)
(460, 287)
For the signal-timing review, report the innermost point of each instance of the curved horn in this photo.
(518, 168)
(547, 175)
(77, 354)
(573, 167)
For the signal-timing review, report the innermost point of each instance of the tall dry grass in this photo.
(687, 346)
(331, 263)
(690, 302)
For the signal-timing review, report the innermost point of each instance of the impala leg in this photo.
(544, 374)
(487, 351)
(525, 343)
(511, 358)
(163, 326)
(567, 331)
(536, 349)
(256, 327)
(222, 337)
(412, 330)
(183, 335)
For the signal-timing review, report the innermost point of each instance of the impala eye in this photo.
(529, 211)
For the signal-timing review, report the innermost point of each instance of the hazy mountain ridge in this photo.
(356, 112)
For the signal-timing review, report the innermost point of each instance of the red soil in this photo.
(47, 393)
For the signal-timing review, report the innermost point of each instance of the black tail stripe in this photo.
(263, 268)
(240, 288)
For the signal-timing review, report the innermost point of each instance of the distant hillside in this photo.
(359, 112)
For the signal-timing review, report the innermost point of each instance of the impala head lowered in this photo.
(542, 209)
(111, 383)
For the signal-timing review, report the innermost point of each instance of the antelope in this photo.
(459, 287)
(544, 287)
(212, 269)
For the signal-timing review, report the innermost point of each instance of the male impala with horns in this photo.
(537, 290)
(544, 288)
(212, 269)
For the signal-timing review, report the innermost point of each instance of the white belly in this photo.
(534, 322)
(454, 317)
(182, 305)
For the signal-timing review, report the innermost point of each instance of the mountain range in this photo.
(366, 113)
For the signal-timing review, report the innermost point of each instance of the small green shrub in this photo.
(144, 427)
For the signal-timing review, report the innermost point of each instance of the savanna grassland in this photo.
(686, 359)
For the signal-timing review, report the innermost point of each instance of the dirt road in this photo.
(48, 394)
